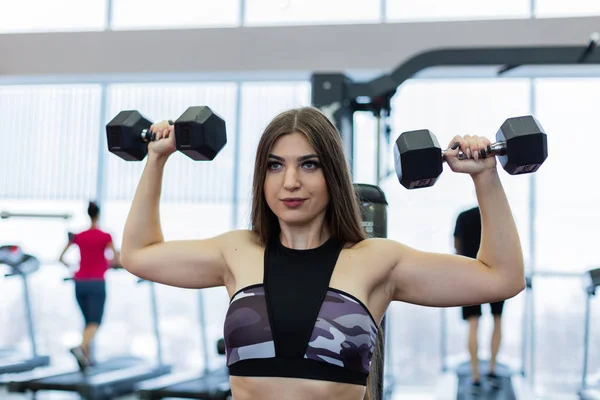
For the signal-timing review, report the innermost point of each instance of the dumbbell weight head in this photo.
(417, 159)
(200, 133)
(525, 145)
(125, 135)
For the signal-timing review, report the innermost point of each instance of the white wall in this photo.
(266, 52)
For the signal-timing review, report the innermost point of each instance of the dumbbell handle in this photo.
(497, 148)
(148, 136)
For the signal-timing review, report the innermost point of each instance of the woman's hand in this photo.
(164, 144)
(475, 149)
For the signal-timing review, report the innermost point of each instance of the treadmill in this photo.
(207, 385)
(21, 265)
(212, 385)
(587, 390)
(103, 381)
(505, 390)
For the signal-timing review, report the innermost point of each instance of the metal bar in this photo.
(236, 156)
(443, 336)
(242, 12)
(378, 149)
(109, 15)
(204, 337)
(29, 315)
(329, 93)
(557, 274)
(529, 299)
(101, 169)
(8, 214)
(586, 342)
(155, 327)
(494, 56)
(525, 331)
(529, 309)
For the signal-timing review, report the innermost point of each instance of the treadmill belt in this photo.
(76, 377)
(505, 390)
(487, 392)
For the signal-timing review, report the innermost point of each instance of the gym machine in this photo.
(373, 210)
(207, 385)
(104, 380)
(21, 265)
(339, 97)
(589, 391)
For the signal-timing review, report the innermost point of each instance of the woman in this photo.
(90, 287)
(308, 290)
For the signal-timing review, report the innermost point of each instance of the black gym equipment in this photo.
(207, 384)
(200, 133)
(521, 148)
(21, 265)
(373, 210)
(587, 390)
(104, 380)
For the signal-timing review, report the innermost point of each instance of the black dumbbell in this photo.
(200, 133)
(521, 147)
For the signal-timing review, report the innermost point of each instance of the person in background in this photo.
(467, 237)
(90, 285)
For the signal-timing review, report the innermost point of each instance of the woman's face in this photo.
(295, 187)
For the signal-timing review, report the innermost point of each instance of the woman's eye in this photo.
(311, 165)
(274, 166)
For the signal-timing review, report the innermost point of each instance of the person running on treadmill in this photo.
(90, 285)
(467, 237)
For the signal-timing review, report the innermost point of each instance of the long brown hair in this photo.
(343, 213)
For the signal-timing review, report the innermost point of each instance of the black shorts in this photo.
(475, 311)
(91, 296)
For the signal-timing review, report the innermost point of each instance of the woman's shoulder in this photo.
(369, 244)
(382, 249)
(244, 237)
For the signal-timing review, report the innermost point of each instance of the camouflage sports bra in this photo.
(295, 325)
